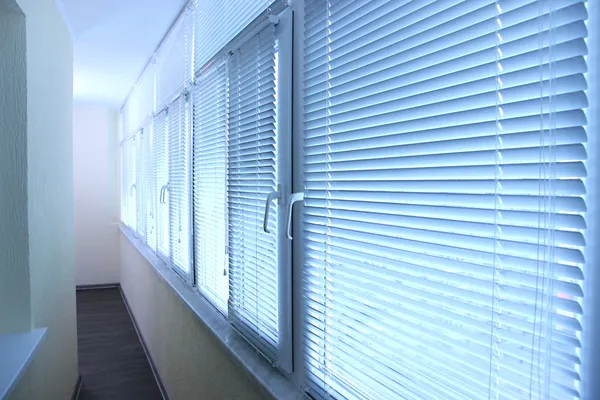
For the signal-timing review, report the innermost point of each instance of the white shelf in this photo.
(16, 352)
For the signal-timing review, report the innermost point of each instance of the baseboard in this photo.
(77, 388)
(161, 387)
(98, 286)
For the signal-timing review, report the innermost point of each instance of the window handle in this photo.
(163, 194)
(273, 195)
(298, 196)
(131, 189)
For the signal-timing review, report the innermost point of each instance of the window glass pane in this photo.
(161, 190)
(173, 61)
(179, 185)
(211, 34)
(149, 182)
(253, 175)
(210, 184)
(444, 218)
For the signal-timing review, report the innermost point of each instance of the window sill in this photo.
(272, 382)
(17, 352)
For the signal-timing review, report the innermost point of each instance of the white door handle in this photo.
(273, 195)
(298, 196)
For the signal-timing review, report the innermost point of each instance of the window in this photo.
(161, 186)
(138, 109)
(174, 61)
(149, 180)
(208, 23)
(444, 224)
(123, 168)
(238, 183)
(173, 77)
(140, 181)
(179, 185)
(128, 180)
(210, 184)
(241, 183)
(440, 252)
(253, 182)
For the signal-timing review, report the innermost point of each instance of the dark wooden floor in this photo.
(112, 362)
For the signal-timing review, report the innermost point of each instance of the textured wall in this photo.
(96, 211)
(15, 313)
(53, 373)
(189, 359)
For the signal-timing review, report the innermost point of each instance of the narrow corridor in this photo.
(112, 361)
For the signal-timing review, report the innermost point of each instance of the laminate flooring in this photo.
(112, 362)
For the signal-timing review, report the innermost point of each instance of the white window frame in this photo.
(284, 59)
(284, 93)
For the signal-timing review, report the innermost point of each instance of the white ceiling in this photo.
(112, 42)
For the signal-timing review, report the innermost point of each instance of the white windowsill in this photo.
(16, 353)
(271, 381)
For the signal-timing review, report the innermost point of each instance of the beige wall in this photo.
(53, 372)
(189, 359)
(95, 193)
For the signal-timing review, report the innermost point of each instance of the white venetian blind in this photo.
(140, 183)
(212, 33)
(140, 103)
(174, 61)
(210, 183)
(179, 185)
(130, 183)
(253, 296)
(124, 183)
(149, 194)
(444, 164)
(161, 176)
